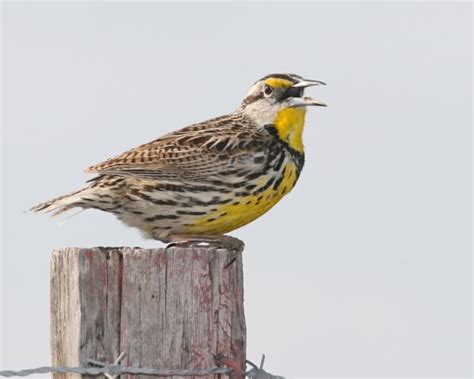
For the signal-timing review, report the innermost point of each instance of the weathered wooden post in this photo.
(174, 308)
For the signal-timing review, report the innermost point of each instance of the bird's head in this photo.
(278, 100)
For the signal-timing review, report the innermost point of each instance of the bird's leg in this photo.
(217, 241)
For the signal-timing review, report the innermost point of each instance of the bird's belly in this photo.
(160, 210)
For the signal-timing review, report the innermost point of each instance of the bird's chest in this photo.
(269, 189)
(260, 193)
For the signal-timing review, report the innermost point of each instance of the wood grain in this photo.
(177, 308)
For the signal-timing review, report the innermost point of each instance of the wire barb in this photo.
(113, 367)
(259, 372)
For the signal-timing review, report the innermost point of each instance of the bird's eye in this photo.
(267, 90)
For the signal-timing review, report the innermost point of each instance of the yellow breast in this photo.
(245, 209)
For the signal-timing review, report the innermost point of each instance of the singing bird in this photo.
(207, 179)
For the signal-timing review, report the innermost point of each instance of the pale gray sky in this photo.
(364, 269)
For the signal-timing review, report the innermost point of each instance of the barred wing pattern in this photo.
(196, 152)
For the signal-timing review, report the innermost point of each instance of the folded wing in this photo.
(197, 152)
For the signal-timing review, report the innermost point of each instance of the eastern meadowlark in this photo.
(207, 179)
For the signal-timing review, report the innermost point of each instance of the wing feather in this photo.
(198, 151)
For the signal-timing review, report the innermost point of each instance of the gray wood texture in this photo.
(177, 308)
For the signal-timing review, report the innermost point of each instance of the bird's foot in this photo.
(215, 241)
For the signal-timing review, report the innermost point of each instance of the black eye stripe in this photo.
(289, 92)
(252, 98)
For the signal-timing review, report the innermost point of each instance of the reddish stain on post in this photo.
(104, 274)
(90, 258)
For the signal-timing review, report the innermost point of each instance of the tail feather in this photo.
(61, 204)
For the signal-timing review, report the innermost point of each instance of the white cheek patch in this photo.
(261, 112)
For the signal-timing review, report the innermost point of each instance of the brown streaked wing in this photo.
(197, 151)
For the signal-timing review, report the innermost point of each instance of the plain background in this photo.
(364, 269)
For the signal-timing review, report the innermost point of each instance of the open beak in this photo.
(308, 83)
(294, 94)
(304, 102)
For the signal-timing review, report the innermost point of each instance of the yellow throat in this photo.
(289, 123)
